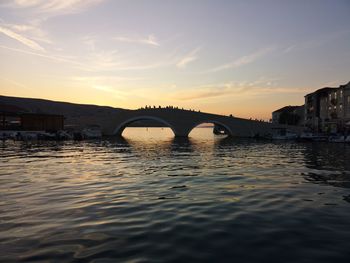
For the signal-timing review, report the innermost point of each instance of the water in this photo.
(152, 198)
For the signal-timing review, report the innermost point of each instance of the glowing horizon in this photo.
(245, 58)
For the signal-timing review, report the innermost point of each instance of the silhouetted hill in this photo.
(71, 111)
(53, 107)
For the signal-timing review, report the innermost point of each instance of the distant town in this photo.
(326, 113)
(326, 110)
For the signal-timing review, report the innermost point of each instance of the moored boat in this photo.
(306, 136)
(92, 132)
(337, 138)
(284, 134)
(218, 130)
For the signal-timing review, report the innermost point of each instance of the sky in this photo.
(245, 58)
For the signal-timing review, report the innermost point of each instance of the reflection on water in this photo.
(150, 197)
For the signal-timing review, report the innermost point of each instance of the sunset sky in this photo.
(245, 58)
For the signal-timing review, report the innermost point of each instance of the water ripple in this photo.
(159, 199)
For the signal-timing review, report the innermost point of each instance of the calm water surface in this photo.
(152, 198)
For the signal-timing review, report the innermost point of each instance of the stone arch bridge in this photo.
(181, 122)
(113, 121)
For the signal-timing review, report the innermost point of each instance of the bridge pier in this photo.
(181, 131)
(181, 135)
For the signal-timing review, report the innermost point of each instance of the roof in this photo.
(287, 108)
(346, 86)
(41, 115)
(327, 89)
(320, 91)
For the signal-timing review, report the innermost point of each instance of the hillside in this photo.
(71, 111)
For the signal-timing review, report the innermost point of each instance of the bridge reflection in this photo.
(317, 163)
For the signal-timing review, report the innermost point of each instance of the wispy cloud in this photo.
(289, 49)
(247, 59)
(105, 79)
(27, 3)
(56, 6)
(316, 42)
(31, 30)
(22, 39)
(208, 92)
(149, 40)
(190, 57)
(103, 60)
(46, 56)
(110, 89)
(12, 82)
(105, 83)
(96, 62)
(90, 43)
(235, 89)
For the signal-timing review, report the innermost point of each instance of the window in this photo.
(335, 95)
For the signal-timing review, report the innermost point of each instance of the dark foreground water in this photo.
(151, 198)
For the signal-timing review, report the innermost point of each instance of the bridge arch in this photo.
(121, 127)
(229, 130)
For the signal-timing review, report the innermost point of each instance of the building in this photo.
(328, 109)
(291, 115)
(15, 118)
(42, 122)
